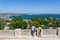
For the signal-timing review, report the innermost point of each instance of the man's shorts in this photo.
(32, 32)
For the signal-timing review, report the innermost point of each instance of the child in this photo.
(39, 31)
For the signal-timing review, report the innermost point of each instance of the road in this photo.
(45, 37)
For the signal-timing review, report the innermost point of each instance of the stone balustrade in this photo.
(27, 32)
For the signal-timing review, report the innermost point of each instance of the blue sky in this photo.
(29, 6)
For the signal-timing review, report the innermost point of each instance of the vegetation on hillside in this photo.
(20, 23)
(2, 24)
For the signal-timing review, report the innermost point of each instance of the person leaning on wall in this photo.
(32, 30)
(39, 31)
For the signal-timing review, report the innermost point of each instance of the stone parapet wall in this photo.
(59, 32)
(7, 32)
(27, 32)
(49, 31)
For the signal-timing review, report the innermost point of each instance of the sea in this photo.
(38, 16)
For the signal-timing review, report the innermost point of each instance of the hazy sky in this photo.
(29, 6)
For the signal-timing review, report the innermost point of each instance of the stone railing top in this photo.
(17, 29)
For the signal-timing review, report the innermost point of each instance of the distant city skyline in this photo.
(30, 6)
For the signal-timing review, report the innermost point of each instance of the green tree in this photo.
(1, 25)
(18, 23)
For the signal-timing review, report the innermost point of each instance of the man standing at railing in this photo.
(33, 30)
